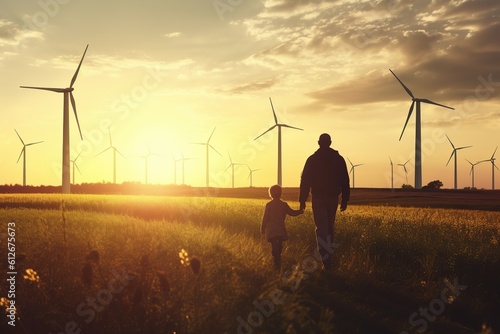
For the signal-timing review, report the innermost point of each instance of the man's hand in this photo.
(343, 206)
(302, 206)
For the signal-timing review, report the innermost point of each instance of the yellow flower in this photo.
(31, 275)
(183, 256)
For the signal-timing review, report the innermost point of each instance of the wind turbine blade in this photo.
(110, 141)
(451, 156)
(102, 151)
(350, 162)
(495, 166)
(272, 127)
(73, 103)
(214, 150)
(469, 162)
(19, 137)
(274, 113)
(390, 160)
(120, 153)
(493, 155)
(402, 84)
(20, 154)
(38, 142)
(407, 119)
(460, 148)
(291, 127)
(78, 68)
(57, 90)
(437, 104)
(227, 167)
(77, 168)
(208, 141)
(78, 155)
(450, 142)
(407, 161)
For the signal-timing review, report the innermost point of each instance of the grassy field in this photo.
(155, 264)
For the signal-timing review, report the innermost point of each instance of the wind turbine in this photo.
(493, 166)
(146, 158)
(208, 146)
(68, 95)
(250, 175)
(75, 165)
(454, 153)
(418, 140)
(23, 153)
(472, 169)
(232, 164)
(406, 171)
(111, 147)
(352, 170)
(183, 159)
(279, 125)
(175, 167)
(392, 175)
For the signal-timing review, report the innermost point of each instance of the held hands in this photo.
(302, 207)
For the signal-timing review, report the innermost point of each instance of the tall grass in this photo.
(194, 265)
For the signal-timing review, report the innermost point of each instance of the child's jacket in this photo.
(273, 221)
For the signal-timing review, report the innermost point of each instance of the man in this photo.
(325, 175)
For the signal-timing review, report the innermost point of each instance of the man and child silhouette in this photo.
(325, 176)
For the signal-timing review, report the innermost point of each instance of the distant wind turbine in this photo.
(183, 159)
(23, 153)
(68, 94)
(175, 167)
(493, 166)
(276, 124)
(392, 174)
(208, 147)
(472, 170)
(454, 153)
(231, 165)
(406, 171)
(418, 145)
(75, 165)
(250, 175)
(146, 159)
(352, 171)
(111, 147)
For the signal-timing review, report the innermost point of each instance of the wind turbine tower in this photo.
(279, 125)
(493, 166)
(392, 174)
(23, 153)
(208, 146)
(232, 164)
(75, 165)
(352, 171)
(454, 153)
(111, 147)
(406, 171)
(68, 95)
(418, 139)
(250, 175)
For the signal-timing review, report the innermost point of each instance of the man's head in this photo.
(324, 140)
(275, 191)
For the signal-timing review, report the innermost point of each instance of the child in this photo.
(273, 222)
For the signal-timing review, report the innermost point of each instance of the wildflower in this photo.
(4, 303)
(195, 264)
(31, 275)
(183, 255)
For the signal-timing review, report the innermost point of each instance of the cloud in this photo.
(253, 86)
(173, 34)
(12, 35)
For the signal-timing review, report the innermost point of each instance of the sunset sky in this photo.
(164, 73)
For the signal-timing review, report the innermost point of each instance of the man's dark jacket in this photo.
(325, 175)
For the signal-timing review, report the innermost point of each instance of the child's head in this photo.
(275, 191)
